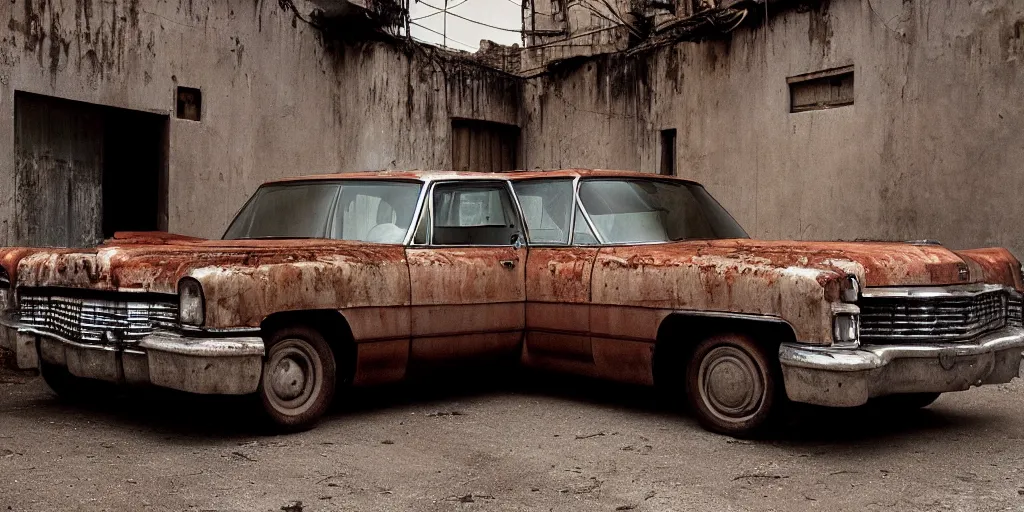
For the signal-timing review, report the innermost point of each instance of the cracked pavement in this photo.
(507, 442)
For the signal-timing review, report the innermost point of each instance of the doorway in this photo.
(484, 146)
(85, 171)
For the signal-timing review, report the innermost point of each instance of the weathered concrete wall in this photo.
(277, 100)
(932, 148)
(586, 114)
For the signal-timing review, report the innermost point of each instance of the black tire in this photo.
(734, 385)
(299, 378)
(904, 401)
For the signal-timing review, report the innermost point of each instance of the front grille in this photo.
(1015, 312)
(950, 318)
(127, 317)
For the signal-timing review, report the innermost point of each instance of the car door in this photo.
(467, 271)
(558, 276)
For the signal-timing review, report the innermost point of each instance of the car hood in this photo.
(155, 262)
(879, 263)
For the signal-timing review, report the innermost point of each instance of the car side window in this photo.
(473, 213)
(547, 208)
(582, 234)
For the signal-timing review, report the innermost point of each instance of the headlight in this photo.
(191, 303)
(849, 290)
(845, 328)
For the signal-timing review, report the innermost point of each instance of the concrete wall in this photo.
(932, 148)
(586, 114)
(277, 99)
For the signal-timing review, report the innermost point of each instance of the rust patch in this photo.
(993, 265)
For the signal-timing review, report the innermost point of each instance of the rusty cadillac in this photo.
(359, 279)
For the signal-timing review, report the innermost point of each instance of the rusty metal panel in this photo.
(58, 172)
(442, 349)
(244, 281)
(560, 274)
(535, 354)
(626, 323)
(378, 323)
(796, 281)
(652, 280)
(435, 320)
(462, 298)
(993, 265)
(466, 275)
(558, 304)
(553, 317)
(558, 345)
(381, 362)
(624, 361)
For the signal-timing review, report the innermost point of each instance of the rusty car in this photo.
(358, 279)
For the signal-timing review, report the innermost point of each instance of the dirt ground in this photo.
(508, 442)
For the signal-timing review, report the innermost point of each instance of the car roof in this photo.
(429, 175)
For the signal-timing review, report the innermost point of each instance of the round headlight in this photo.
(191, 303)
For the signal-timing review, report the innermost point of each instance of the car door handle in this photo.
(509, 264)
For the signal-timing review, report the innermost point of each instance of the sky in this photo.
(462, 34)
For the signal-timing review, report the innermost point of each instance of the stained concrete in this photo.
(278, 99)
(932, 147)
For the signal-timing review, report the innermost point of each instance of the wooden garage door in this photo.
(484, 146)
(59, 171)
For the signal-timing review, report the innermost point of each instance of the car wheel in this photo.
(732, 385)
(904, 401)
(299, 377)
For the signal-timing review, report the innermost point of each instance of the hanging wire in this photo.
(428, 29)
(449, 13)
(435, 13)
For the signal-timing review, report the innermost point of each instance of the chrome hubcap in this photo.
(732, 385)
(292, 377)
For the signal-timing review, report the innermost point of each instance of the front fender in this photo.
(243, 296)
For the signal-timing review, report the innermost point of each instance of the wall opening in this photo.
(189, 104)
(484, 146)
(668, 152)
(821, 90)
(84, 171)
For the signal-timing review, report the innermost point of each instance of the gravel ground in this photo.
(514, 442)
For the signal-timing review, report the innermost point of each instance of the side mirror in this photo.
(516, 241)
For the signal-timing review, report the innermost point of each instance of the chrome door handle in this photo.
(509, 264)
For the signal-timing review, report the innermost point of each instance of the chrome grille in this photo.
(1015, 312)
(952, 318)
(127, 317)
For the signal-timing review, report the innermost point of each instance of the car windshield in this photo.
(367, 211)
(648, 210)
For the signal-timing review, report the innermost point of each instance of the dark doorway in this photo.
(668, 152)
(84, 171)
(484, 146)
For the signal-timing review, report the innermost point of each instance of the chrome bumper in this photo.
(849, 377)
(206, 365)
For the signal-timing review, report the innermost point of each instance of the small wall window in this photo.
(821, 90)
(668, 152)
(190, 103)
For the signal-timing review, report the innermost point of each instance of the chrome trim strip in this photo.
(203, 347)
(213, 331)
(733, 316)
(411, 235)
(929, 292)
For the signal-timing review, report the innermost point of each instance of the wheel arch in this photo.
(680, 332)
(330, 323)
